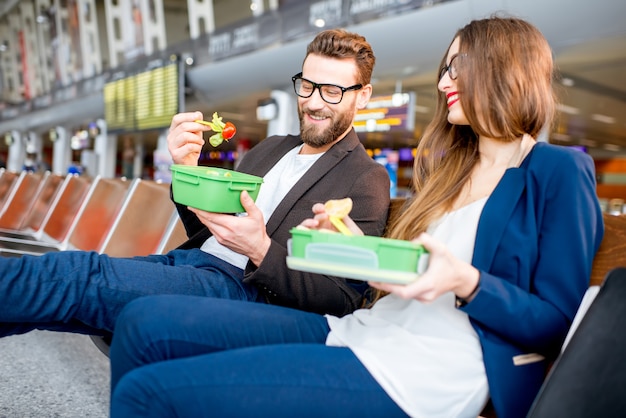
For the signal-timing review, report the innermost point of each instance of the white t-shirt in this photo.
(276, 184)
(427, 357)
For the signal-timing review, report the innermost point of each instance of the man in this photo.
(234, 257)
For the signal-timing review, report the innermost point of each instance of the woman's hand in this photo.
(184, 140)
(321, 220)
(445, 273)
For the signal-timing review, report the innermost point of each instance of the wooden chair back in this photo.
(396, 206)
(142, 222)
(612, 251)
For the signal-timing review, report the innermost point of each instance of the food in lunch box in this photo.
(223, 130)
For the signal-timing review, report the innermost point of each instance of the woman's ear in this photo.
(363, 97)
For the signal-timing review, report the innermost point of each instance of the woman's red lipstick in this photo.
(453, 93)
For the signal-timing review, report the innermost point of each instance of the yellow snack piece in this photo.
(338, 208)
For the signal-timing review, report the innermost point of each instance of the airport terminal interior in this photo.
(90, 87)
(70, 71)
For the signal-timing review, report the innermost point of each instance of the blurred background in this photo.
(93, 84)
(90, 87)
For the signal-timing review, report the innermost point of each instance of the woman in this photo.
(511, 225)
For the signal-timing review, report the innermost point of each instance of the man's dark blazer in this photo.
(345, 170)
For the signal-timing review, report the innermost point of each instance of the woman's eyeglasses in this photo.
(451, 68)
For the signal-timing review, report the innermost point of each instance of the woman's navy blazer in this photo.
(536, 239)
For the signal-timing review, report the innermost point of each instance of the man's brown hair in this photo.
(341, 44)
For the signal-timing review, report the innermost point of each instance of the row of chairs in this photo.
(46, 212)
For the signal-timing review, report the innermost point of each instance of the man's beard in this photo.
(312, 136)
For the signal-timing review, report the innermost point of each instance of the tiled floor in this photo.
(48, 374)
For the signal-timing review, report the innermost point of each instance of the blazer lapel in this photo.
(330, 159)
(495, 216)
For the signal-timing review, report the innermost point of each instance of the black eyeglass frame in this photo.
(450, 68)
(319, 86)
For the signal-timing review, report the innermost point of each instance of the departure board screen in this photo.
(387, 113)
(143, 100)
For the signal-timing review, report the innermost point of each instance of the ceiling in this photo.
(588, 40)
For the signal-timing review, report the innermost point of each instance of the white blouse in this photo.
(426, 356)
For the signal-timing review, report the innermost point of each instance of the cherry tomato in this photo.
(229, 131)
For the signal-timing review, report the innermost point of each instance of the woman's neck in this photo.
(496, 153)
(495, 158)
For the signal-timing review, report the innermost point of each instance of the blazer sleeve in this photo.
(569, 231)
(189, 219)
(321, 293)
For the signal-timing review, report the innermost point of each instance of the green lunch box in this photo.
(212, 189)
(358, 257)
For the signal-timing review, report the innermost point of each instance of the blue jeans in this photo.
(76, 291)
(189, 357)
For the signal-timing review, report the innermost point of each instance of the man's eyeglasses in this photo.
(330, 93)
(450, 68)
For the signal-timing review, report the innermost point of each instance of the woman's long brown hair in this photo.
(505, 73)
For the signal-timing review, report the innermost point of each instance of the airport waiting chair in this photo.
(98, 214)
(50, 188)
(136, 234)
(34, 216)
(174, 236)
(59, 220)
(94, 219)
(143, 221)
(7, 182)
(57, 223)
(589, 377)
(21, 199)
(28, 216)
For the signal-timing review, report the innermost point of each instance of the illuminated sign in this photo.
(387, 113)
(144, 100)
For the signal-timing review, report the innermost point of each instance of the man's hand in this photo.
(184, 140)
(243, 234)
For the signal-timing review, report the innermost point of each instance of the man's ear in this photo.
(363, 97)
